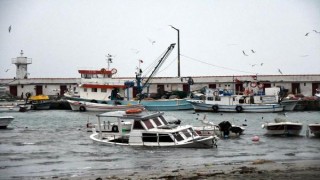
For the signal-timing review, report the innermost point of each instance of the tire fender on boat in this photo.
(215, 108)
(114, 70)
(115, 128)
(238, 109)
(82, 108)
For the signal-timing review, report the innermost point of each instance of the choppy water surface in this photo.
(55, 143)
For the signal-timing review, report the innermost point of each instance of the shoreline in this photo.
(257, 169)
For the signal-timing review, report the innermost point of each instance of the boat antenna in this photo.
(109, 60)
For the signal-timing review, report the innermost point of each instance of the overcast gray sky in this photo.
(62, 36)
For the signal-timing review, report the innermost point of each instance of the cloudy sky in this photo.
(216, 36)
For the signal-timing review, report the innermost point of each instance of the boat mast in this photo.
(109, 60)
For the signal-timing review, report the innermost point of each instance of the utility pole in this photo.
(178, 49)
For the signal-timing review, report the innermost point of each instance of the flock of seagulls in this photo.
(315, 31)
(153, 42)
(244, 53)
(261, 64)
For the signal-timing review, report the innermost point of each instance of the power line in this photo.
(217, 65)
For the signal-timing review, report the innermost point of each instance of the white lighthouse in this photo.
(22, 66)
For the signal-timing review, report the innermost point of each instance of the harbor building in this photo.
(305, 84)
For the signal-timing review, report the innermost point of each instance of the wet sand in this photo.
(258, 169)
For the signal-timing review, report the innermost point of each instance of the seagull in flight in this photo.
(9, 29)
(152, 41)
(306, 34)
(253, 51)
(253, 65)
(316, 31)
(7, 70)
(261, 64)
(244, 53)
(280, 71)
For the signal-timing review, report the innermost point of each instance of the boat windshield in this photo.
(163, 120)
(148, 124)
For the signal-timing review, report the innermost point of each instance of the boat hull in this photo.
(315, 129)
(203, 142)
(41, 106)
(289, 105)
(285, 128)
(166, 105)
(198, 106)
(87, 106)
(5, 121)
(151, 105)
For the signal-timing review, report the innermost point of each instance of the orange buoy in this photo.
(133, 111)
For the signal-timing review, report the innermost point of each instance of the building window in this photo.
(94, 90)
(104, 90)
(21, 85)
(304, 84)
(85, 89)
(45, 86)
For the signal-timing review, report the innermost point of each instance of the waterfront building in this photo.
(18, 86)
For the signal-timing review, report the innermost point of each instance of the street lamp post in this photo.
(178, 49)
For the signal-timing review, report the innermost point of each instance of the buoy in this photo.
(255, 138)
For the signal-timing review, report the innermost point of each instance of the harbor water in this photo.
(55, 143)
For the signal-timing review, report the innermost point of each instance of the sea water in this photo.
(55, 143)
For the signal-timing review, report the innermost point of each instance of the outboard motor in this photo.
(224, 127)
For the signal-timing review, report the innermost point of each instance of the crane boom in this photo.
(155, 70)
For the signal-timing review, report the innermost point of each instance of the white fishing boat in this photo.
(281, 126)
(151, 130)
(13, 107)
(5, 121)
(98, 86)
(219, 101)
(314, 129)
(89, 106)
